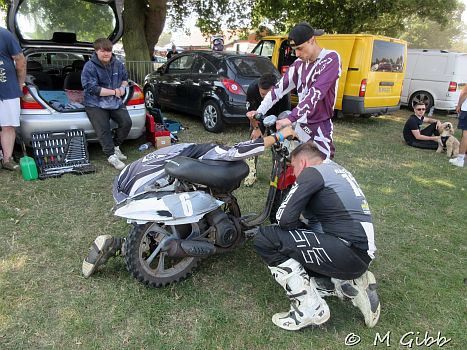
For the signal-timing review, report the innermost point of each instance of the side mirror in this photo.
(160, 70)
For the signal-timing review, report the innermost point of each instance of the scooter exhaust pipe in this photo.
(180, 248)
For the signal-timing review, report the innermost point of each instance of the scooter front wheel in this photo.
(159, 270)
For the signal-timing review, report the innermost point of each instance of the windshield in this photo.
(252, 66)
(39, 19)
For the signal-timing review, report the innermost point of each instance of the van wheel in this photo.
(421, 96)
(212, 117)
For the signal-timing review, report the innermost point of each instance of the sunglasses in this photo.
(421, 109)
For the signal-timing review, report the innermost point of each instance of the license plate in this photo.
(385, 89)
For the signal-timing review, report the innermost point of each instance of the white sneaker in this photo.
(119, 153)
(117, 163)
(362, 293)
(457, 161)
(307, 307)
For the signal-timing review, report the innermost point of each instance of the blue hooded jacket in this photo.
(95, 76)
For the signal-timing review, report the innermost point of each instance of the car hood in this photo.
(42, 23)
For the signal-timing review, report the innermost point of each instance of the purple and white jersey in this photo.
(316, 85)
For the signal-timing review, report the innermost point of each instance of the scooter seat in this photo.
(219, 175)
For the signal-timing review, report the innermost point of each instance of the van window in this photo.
(265, 48)
(387, 57)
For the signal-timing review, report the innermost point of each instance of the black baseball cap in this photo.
(301, 33)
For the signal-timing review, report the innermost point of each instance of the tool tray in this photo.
(60, 152)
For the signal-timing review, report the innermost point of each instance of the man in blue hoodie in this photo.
(104, 80)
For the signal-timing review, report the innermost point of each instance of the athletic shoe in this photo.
(307, 308)
(362, 293)
(11, 165)
(117, 163)
(457, 162)
(103, 248)
(119, 153)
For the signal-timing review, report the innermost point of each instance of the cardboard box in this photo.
(162, 141)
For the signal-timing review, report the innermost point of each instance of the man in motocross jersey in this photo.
(148, 172)
(324, 232)
(315, 74)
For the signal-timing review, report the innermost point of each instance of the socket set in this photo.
(60, 152)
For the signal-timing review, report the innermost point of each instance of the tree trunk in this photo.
(144, 21)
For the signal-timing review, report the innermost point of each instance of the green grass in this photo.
(417, 199)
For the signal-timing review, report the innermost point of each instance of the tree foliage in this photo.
(424, 23)
(387, 17)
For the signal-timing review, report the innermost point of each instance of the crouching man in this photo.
(324, 237)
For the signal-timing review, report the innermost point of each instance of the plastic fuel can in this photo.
(28, 168)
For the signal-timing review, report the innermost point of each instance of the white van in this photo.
(434, 77)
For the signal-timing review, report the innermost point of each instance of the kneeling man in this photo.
(324, 236)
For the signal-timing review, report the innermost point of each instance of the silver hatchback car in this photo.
(53, 95)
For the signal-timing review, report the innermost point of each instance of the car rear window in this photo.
(387, 57)
(252, 66)
(39, 19)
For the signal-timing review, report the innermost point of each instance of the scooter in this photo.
(193, 216)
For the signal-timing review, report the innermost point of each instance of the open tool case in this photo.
(60, 152)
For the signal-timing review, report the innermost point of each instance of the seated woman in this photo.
(414, 136)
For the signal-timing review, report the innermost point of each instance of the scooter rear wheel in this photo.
(141, 242)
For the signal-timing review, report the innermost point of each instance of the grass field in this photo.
(417, 199)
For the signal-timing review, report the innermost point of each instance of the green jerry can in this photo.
(28, 168)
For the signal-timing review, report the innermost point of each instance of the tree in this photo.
(385, 17)
(427, 34)
(144, 21)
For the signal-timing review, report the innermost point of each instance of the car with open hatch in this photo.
(57, 38)
(210, 84)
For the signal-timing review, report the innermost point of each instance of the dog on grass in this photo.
(447, 142)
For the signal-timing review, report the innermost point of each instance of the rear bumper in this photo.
(355, 105)
(234, 112)
(46, 121)
(446, 105)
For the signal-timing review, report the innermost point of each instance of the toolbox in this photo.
(60, 152)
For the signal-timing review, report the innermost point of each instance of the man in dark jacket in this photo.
(324, 233)
(104, 80)
(254, 96)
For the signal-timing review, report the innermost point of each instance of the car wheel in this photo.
(150, 98)
(421, 96)
(212, 117)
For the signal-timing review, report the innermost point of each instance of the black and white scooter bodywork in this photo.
(189, 214)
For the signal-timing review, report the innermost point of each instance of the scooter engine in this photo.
(225, 230)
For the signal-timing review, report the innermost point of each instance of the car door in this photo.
(172, 91)
(201, 82)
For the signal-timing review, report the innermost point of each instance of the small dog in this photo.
(447, 142)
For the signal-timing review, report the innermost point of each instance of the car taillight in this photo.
(233, 86)
(28, 102)
(137, 98)
(284, 69)
(452, 86)
(362, 91)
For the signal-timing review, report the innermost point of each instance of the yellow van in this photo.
(373, 69)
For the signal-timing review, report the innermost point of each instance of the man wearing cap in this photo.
(315, 74)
